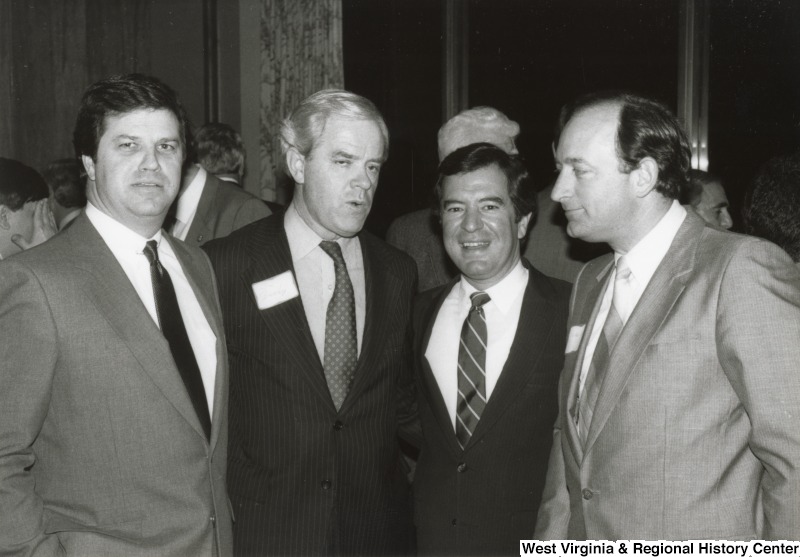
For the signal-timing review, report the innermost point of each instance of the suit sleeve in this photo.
(409, 426)
(250, 211)
(27, 366)
(758, 344)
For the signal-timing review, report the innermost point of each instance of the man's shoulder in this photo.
(267, 229)
(386, 252)
(412, 226)
(550, 287)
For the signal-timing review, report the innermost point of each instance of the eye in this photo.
(341, 162)
(169, 147)
(127, 145)
(453, 210)
(374, 168)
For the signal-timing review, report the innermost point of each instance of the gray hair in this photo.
(480, 117)
(306, 122)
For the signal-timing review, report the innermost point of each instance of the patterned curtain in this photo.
(301, 52)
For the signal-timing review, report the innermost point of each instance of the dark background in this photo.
(527, 58)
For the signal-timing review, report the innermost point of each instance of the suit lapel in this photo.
(109, 288)
(269, 255)
(195, 269)
(533, 330)
(661, 293)
(382, 291)
(432, 392)
(589, 308)
(201, 229)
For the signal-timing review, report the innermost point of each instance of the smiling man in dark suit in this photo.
(318, 320)
(489, 347)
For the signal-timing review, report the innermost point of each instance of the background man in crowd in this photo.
(704, 193)
(67, 190)
(317, 313)
(25, 220)
(220, 151)
(489, 347)
(677, 411)
(418, 233)
(773, 208)
(209, 207)
(113, 433)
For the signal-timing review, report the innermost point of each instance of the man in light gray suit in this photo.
(678, 402)
(113, 369)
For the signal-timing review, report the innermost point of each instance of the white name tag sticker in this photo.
(275, 290)
(574, 338)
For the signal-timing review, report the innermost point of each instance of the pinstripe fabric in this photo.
(305, 479)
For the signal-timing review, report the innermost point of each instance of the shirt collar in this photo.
(505, 292)
(646, 256)
(189, 199)
(116, 235)
(302, 239)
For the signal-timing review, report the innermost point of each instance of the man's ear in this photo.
(5, 224)
(645, 176)
(522, 226)
(296, 163)
(88, 164)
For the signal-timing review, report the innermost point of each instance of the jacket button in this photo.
(326, 484)
(338, 425)
(454, 522)
(587, 494)
(462, 467)
(213, 519)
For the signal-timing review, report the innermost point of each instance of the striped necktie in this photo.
(471, 370)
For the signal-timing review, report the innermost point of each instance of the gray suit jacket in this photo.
(101, 452)
(223, 208)
(696, 429)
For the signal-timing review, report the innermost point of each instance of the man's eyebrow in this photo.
(494, 199)
(721, 204)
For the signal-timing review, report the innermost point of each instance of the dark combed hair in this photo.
(120, 94)
(481, 155)
(773, 208)
(19, 184)
(63, 177)
(646, 128)
(219, 149)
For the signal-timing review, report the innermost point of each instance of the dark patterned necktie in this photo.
(173, 329)
(341, 342)
(471, 370)
(605, 344)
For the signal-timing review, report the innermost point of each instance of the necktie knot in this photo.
(334, 251)
(151, 251)
(478, 300)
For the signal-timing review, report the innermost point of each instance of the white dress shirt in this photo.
(643, 260)
(187, 203)
(502, 317)
(316, 278)
(127, 247)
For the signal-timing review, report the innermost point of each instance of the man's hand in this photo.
(44, 226)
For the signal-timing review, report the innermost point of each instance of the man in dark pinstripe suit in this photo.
(317, 410)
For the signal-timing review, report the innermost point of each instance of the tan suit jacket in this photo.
(101, 452)
(696, 429)
(223, 208)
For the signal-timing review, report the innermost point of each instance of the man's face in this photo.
(713, 206)
(598, 199)
(480, 232)
(15, 222)
(137, 172)
(338, 178)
